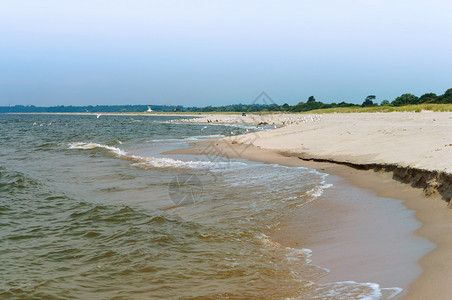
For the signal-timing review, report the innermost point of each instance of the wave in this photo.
(354, 290)
(189, 138)
(90, 146)
(164, 162)
(301, 258)
(318, 190)
(211, 165)
(292, 254)
(158, 162)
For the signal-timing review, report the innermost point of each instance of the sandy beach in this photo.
(405, 156)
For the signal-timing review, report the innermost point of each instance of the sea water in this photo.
(90, 208)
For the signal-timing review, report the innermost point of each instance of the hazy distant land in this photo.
(264, 104)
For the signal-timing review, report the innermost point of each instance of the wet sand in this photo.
(344, 230)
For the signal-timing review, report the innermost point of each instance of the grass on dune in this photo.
(357, 109)
(407, 108)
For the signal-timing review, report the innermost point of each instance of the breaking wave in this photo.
(158, 162)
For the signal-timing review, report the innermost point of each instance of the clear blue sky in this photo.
(55, 52)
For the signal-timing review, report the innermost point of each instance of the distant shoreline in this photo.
(437, 107)
(105, 114)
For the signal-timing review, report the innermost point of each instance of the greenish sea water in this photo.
(91, 209)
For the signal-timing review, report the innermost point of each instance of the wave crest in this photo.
(89, 146)
(158, 162)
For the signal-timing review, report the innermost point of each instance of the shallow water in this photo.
(89, 208)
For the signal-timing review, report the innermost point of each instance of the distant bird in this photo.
(149, 109)
(34, 124)
(98, 115)
(203, 128)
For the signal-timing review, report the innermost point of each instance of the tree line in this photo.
(88, 109)
(310, 104)
(410, 99)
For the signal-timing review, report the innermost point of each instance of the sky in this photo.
(198, 53)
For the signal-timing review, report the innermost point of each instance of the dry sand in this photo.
(421, 140)
(410, 143)
(277, 120)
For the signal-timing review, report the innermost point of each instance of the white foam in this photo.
(318, 190)
(87, 146)
(335, 290)
(188, 138)
(292, 254)
(160, 162)
(204, 137)
(164, 162)
(355, 290)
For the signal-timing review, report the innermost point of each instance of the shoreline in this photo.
(431, 211)
(256, 119)
(163, 114)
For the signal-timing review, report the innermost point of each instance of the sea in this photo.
(91, 207)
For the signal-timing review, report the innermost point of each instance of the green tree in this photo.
(369, 101)
(384, 103)
(428, 98)
(447, 97)
(405, 99)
